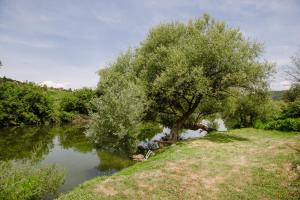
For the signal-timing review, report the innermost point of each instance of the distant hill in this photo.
(5, 79)
(277, 95)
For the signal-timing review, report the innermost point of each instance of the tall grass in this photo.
(28, 181)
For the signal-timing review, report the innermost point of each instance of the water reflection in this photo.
(25, 143)
(67, 146)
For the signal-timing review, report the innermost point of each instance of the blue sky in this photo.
(64, 42)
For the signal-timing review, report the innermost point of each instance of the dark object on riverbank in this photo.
(153, 144)
(148, 145)
(163, 137)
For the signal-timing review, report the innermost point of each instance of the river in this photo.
(66, 146)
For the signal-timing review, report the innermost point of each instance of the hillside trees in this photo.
(23, 103)
(78, 101)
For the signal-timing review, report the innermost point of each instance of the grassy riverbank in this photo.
(240, 164)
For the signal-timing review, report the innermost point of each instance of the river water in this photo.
(66, 146)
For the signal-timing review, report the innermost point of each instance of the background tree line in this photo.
(28, 103)
(275, 110)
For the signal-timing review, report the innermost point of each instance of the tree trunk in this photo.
(180, 122)
(174, 130)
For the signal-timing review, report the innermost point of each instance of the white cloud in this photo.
(281, 85)
(108, 19)
(74, 41)
(281, 61)
(55, 85)
(36, 44)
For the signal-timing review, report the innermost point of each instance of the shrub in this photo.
(23, 104)
(78, 101)
(67, 116)
(245, 111)
(293, 93)
(27, 181)
(292, 110)
(289, 124)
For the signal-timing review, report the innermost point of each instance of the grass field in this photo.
(239, 164)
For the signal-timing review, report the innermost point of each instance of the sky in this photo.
(63, 43)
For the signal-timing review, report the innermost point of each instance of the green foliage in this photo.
(278, 95)
(174, 76)
(288, 120)
(288, 124)
(246, 111)
(286, 117)
(186, 65)
(255, 111)
(292, 110)
(119, 108)
(148, 130)
(25, 181)
(27, 103)
(23, 103)
(66, 116)
(293, 93)
(78, 101)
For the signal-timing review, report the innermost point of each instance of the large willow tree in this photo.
(185, 69)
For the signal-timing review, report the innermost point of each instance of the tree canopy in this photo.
(119, 107)
(179, 70)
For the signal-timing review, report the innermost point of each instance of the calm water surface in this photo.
(66, 146)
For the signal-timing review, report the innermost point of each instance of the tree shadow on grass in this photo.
(223, 138)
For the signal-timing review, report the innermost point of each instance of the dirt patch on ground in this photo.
(106, 190)
(292, 171)
(198, 143)
(107, 186)
(150, 174)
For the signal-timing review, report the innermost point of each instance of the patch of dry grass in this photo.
(240, 164)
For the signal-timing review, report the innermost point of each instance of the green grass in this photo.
(22, 181)
(239, 164)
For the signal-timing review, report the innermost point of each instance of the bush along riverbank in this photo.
(25, 103)
(28, 181)
(239, 164)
